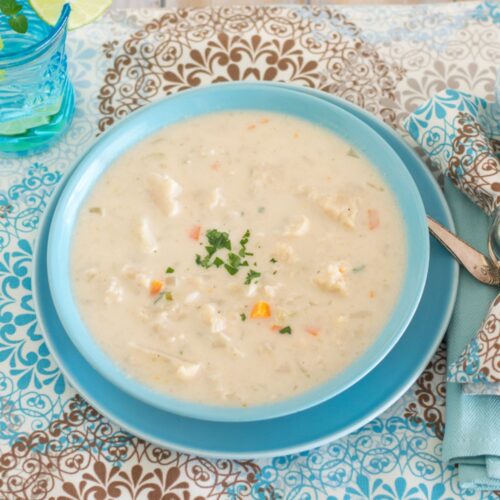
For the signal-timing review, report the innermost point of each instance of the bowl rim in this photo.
(195, 102)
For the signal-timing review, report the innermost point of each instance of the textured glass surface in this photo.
(36, 97)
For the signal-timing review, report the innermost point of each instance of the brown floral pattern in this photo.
(430, 392)
(474, 167)
(188, 48)
(101, 462)
(480, 360)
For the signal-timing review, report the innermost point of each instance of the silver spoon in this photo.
(484, 269)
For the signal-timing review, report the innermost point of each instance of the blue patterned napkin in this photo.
(461, 135)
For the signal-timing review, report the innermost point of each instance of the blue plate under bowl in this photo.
(239, 96)
(318, 425)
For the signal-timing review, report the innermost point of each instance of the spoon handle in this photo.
(480, 266)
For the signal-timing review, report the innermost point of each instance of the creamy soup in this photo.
(238, 258)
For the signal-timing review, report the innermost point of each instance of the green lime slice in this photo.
(37, 119)
(82, 11)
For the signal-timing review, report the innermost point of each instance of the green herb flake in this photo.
(243, 244)
(218, 239)
(169, 270)
(261, 210)
(352, 153)
(251, 275)
(243, 317)
(358, 268)
(287, 330)
(230, 269)
(169, 296)
(273, 260)
(218, 262)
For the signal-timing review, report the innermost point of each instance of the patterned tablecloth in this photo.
(388, 60)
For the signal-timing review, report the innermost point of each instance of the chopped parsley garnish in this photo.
(273, 260)
(243, 244)
(243, 317)
(358, 269)
(251, 275)
(169, 270)
(218, 241)
(261, 210)
(286, 330)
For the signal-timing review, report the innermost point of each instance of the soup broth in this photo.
(238, 258)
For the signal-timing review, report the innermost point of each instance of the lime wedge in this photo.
(82, 11)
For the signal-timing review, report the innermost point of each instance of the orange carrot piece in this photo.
(155, 287)
(215, 166)
(194, 232)
(264, 120)
(276, 328)
(371, 294)
(373, 219)
(296, 135)
(252, 127)
(311, 330)
(261, 309)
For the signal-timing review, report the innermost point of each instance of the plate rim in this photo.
(300, 446)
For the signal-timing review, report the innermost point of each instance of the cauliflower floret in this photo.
(283, 252)
(148, 239)
(191, 297)
(161, 322)
(270, 290)
(298, 227)
(188, 371)
(216, 198)
(213, 318)
(340, 208)
(164, 192)
(136, 275)
(252, 289)
(332, 279)
(114, 292)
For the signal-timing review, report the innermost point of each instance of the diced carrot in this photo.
(373, 219)
(311, 330)
(194, 232)
(215, 166)
(261, 310)
(276, 328)
(252, 127)
(264, 120)
(371, 294)
(155, 287)
(295, 135)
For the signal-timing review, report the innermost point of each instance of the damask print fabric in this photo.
(480, 361)
(388, 60)
(460, 133)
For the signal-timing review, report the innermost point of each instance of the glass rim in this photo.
(13, 59)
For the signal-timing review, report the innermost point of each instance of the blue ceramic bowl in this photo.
(209, 100)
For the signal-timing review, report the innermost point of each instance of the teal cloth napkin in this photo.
(472, 435)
